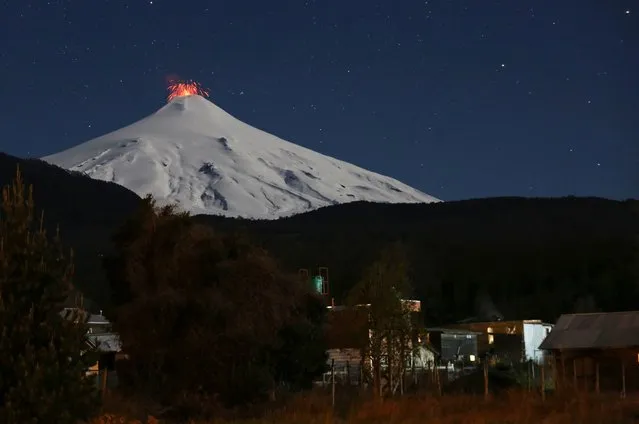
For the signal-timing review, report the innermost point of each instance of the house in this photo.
(596, 351)
(348, 334)
(509, 341)
(100, 337)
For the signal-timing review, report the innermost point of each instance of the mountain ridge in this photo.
(193, 153)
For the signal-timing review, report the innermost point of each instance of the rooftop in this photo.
(611, 330)
(450, 330)
(98, 319)
(107, 342)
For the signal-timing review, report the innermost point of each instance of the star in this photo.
(403, 64)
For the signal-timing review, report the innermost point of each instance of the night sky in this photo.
(460, 99)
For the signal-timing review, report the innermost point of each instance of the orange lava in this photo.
(185, 88)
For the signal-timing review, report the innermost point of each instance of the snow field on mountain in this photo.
(193, 153)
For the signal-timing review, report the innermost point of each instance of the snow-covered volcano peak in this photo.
(192, 105)
(193, 153)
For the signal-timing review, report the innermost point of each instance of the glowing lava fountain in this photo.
(185, 88)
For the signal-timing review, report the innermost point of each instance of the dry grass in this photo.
(513, 408)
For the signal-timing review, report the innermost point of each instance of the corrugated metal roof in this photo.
(106, 342)
(594, 331)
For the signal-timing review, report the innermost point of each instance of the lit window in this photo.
(491, 339)
(472, 358)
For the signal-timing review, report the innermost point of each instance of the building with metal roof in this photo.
(594, 331)
(596, 351)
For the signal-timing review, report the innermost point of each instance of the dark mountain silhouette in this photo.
(534, 258)
(87, 212)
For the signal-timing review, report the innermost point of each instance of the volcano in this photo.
(194, 154)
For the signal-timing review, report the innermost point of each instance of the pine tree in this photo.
(43, 355)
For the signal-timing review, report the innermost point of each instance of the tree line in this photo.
(536, 257)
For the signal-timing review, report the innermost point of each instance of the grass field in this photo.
(516, 407)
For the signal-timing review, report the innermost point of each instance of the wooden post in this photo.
(597, 376)
(333, 381)
(586, 373)
(563, 369)
(414, 374)
(379, 378)
(543, 379)
(574, 373)
(486, 392)
(104, 382)
(534, 376)
(389, 365)
(438, 380)
(623, 379)
(555, 376)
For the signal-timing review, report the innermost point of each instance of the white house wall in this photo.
(534, 334)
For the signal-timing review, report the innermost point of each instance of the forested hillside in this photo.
(535, 258)
(87, 212)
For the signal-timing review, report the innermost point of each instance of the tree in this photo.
(43, 355)
(301, 356)
(382, 287)
(203, 316)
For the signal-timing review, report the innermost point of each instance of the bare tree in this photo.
(389, 346)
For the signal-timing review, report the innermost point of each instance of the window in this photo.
(491, 337)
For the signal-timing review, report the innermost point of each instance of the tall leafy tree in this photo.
(202, 315)
(43, 354)
(301, 355)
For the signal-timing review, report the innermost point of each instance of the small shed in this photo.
(454, 345)
(596, 351)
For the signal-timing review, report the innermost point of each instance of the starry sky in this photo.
(458, 98)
